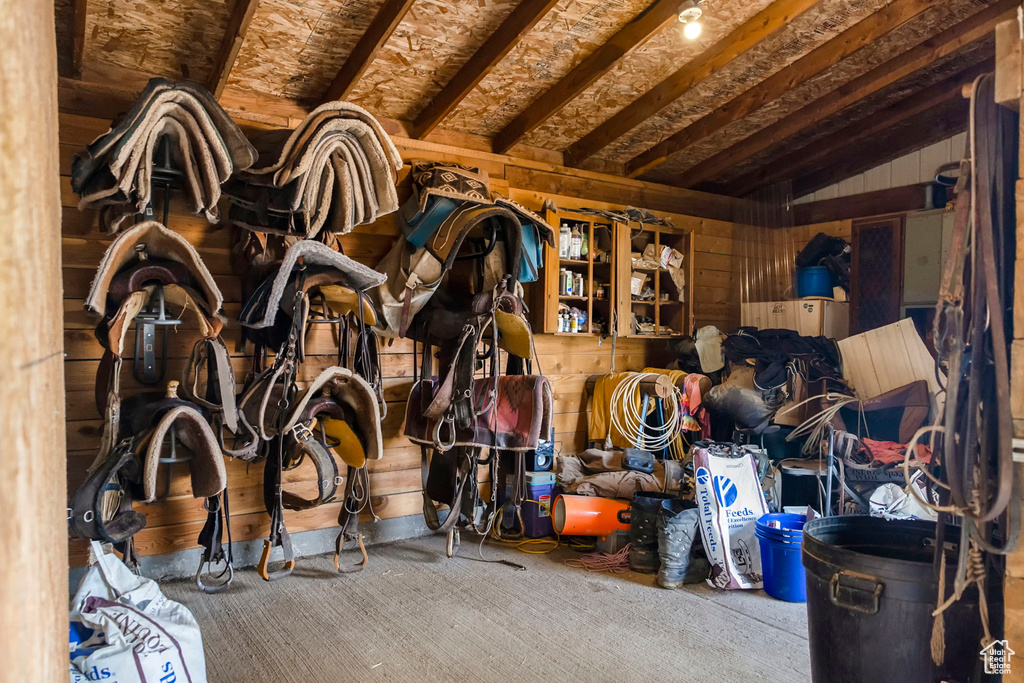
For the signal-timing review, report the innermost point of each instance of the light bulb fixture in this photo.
(690, 14)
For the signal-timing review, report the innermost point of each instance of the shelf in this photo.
(569, 297)
(643, 302)
(576, 262)
(576, 334)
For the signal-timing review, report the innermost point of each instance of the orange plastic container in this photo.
(589, 515)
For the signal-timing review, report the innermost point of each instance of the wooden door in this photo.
(876, 274)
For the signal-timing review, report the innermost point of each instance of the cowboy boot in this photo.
(679, 545)
(643, 530)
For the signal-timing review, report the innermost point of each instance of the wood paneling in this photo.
(395, 480)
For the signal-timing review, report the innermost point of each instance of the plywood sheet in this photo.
(174, 39)
(294, 49)
(918, 82)
(803, 34)
(639, 71)
(561, 40)
(434, 41)
(880, 51)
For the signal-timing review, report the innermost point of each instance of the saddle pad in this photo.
(351, 273)
(156, 242)
(522, 417)
(344, 386)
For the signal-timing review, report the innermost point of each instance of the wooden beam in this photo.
(943, 121)
(864, 32)
(598, 63)
(753, 31)
(79, 9)
(242, 13)
(387, 19)
(878, 203)
(937, 47)
(33, 532)
(523, 18)
(860, 140)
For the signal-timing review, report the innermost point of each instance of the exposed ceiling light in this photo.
(689, 15)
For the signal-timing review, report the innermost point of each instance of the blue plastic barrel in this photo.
(781, 564)
(813, 281)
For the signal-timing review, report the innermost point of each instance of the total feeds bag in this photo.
(729, 500)
(124, 630)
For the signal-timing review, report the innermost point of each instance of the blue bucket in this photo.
(780, 556)
(813, 281)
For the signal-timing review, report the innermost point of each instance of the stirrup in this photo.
(289, 560)
(339, 546)
(441, 446)
(223, 585)
(452, 541)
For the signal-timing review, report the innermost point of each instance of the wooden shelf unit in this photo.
(601, 233)
(672, 313)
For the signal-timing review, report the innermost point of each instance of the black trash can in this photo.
(871, 589)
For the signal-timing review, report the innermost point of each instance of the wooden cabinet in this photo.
(607, 273)
(669, 305)
(597, 268)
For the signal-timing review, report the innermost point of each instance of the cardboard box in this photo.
(809, 317)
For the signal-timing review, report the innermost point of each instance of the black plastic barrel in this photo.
(871, 589)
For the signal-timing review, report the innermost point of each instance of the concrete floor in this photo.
(414, 615)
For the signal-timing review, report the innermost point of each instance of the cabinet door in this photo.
(922, 258)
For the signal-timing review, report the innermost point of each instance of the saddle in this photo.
(340, 405)
(115, 171)
(147, 272)
(335, 171)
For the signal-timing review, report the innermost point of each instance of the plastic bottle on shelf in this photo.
(584, 246)
(576, 244)
(578, 285)
(563, 281)
(564, 241)
(574, 324)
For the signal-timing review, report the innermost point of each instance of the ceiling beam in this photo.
(238, 23)
(864, 32)
(877, 203)
(935, 48)
(943, 121)
(384, 23)
(753, 31)
(79, 11)
(523, 18)
(597, 64)
(860, 140)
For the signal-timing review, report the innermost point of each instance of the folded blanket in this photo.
(335, 171)
(115, 172)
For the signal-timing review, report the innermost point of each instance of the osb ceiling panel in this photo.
(639, 71)
(880, 51)
(918, 82)
(294, 49)
(174, 39)
(806, 32)
(434, 41)
(561, 40)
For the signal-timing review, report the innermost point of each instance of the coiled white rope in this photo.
(626, 407)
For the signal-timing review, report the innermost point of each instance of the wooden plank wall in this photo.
(395, 480)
